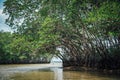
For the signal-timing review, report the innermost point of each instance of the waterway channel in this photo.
(49, 72)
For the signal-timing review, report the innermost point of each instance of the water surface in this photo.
(49, 72)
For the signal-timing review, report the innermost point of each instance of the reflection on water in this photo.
(52, 73)
(58, 73)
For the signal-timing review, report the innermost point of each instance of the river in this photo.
(49, 72)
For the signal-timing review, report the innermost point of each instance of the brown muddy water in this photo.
(49, 72)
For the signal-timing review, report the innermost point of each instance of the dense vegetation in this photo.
(88, 32)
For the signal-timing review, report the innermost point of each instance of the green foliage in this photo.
(82, 28)
(5, 39)
(19, 46)
(107, 11)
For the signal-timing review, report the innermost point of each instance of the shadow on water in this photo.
(52, 73)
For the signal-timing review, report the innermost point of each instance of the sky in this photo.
(3, 26)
